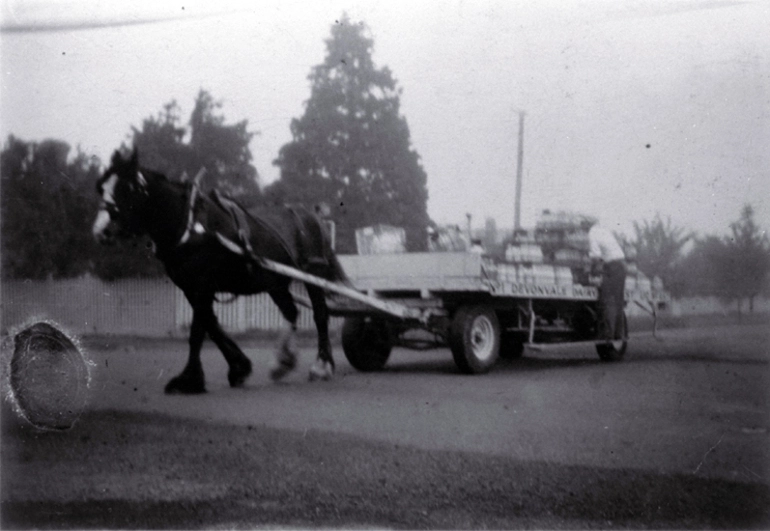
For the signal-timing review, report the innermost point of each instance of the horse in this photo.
(209, 244)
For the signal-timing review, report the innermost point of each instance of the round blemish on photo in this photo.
(48, 377)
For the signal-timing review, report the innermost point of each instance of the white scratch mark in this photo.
(752, 472)
(706, 455)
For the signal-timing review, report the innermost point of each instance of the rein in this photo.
(243, 247)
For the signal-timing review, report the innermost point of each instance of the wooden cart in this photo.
(459, 299)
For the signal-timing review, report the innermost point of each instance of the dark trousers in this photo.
(611, 295)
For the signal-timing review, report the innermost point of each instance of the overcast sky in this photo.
(632, 108)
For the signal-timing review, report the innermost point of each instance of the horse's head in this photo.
(123, 191)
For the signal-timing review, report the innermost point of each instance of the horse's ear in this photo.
(116, 158)
(135, 157)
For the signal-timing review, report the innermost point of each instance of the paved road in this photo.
(675, 437)
(693, 402)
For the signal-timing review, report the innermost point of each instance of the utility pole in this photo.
(470, 232)
(519, 163)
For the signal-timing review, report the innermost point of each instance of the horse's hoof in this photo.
(236, 377)
(282, 369)
(184, 386)
(322, 370)
(285, 362)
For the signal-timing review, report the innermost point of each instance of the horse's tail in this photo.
(315, 241)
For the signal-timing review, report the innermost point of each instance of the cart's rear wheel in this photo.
(366, 342)
(474, 339)
(614, 350)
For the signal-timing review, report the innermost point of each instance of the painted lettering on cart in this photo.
(574, 291)
(542, 290)
(584, 292)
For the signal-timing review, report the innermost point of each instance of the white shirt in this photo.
(602, 244)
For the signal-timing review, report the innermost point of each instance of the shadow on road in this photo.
(695, 358)
(117, 469)
(565, 359)
(740, 345)
(523, 364)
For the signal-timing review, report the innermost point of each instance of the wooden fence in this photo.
(144, 307)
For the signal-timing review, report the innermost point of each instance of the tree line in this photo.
(733, 267)
(350, 150)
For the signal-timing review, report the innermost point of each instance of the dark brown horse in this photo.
(209, 245)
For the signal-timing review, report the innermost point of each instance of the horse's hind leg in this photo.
(240, 365)
(323, 368)
(286, 356)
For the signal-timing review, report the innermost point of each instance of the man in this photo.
(607, 259)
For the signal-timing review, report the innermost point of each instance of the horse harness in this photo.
(240, 220)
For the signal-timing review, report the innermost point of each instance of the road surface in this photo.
(675, 436)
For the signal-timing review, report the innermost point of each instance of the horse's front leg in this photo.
(240, 365)
(191, 380)
(323, 368)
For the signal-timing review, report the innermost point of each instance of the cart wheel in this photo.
(366, 342)
(511, 345)
(474, 339)
(614, 350)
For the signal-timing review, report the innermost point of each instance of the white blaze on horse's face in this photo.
(100, 225)
(103, 218)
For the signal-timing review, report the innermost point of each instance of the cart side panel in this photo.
(459, 271)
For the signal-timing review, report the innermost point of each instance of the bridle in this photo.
(109, 207)
(112, 209)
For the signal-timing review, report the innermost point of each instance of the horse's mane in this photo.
(158, 176)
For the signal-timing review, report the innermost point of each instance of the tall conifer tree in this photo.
(351, 149)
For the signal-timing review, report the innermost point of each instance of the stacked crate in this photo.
(380, 239)
(536, 274)
(526, 273)
(563, 241)
(563, 275)
(526, 253)
(507, 272)
(526, 262)
(449, 238)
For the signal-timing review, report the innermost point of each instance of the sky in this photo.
(631, 109)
